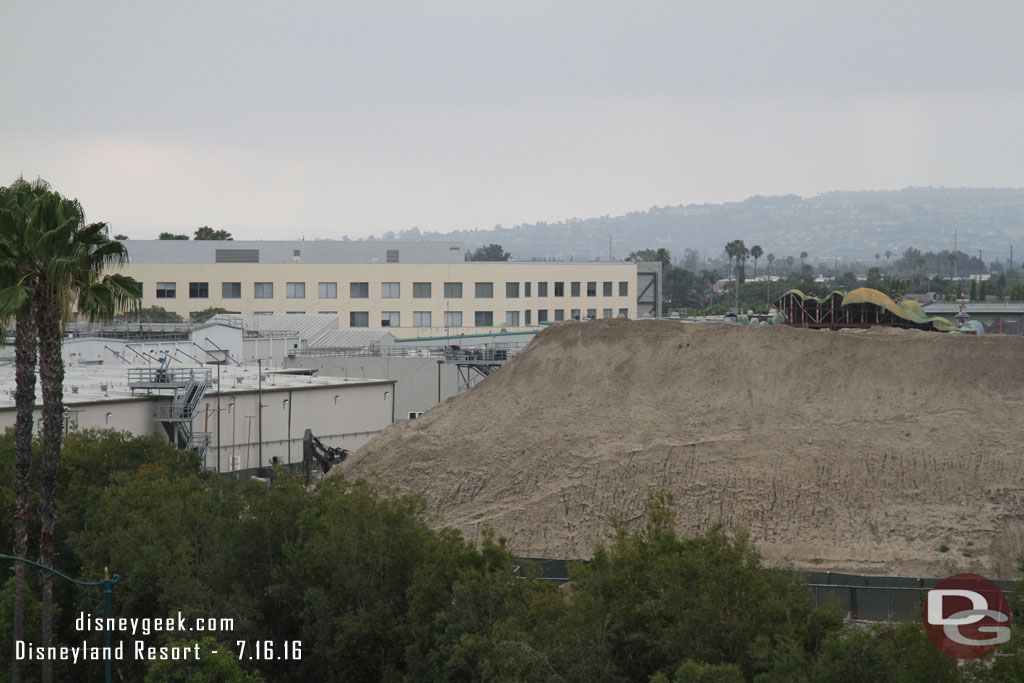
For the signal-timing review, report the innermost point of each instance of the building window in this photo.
(295, 290)
(623, 312)
(166, 290)
(359, 319)
(263, 290)
(511, 290)
(592, 313)
(264, 313)
(392, 256)
(512, 318)
(574, 289)
(559, 289)
(574, 314)
(559, 315)
(542, 289)
(528, 321)
(542, 315)
(359, 290)
(390, 319)
(421, 290)
(484, 319)
(591, 289)
(623, 289)
(485, 290)
(231, 290)
(453, 318)
(199, 290)
(421, 318)
(327, 290)
(453, 290)
(606, 289)
(526, 288)
(390, 290)
(295, 313)
(607, 313)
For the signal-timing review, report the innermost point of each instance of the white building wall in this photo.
(377, 303)
(340, 416)
(134, 416)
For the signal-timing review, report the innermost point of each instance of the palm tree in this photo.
(62, 267)
(15, 204)
(742, 255)
(888, 253)
(803, 256)
(756, 252)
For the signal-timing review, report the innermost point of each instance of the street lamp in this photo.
(108, 588)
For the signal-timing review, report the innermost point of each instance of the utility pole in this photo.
(955, 259)
(259, 413)
(218, 418)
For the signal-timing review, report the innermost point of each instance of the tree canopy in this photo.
(208, 233)
(492, 252)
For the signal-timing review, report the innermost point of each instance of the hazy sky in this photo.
(323, 119)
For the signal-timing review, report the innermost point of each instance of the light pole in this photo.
(108, 588)
(259, 413)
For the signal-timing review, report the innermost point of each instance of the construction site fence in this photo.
(858, 597)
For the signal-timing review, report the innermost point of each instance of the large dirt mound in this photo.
(878, 451)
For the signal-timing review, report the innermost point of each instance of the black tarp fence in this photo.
(859, 597)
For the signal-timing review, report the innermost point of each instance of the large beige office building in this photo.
(420, 288)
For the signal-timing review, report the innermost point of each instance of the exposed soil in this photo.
(861, 451)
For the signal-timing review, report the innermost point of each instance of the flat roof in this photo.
(292, 251)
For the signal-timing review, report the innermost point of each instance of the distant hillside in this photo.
(850, 225)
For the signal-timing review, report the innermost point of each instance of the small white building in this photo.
(223, 420)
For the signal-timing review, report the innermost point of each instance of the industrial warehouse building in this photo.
(216, 411)
(421, 288)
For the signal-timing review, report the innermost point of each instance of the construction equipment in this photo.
(326, 456)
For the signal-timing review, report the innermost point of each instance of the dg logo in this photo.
(967, 616)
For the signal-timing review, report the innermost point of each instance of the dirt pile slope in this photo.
(866, 451)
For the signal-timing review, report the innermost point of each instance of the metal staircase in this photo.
(189, 386)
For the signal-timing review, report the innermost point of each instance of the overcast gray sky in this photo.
(323, 119)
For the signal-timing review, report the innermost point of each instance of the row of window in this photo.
(388, 290)
(480, 318)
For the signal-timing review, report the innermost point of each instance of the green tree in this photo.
(492, 252)
(208, 233)
(16, 206)
(202, 316)
(64, 268)
(803, 257)
(152, 314)
(222, 667)
(120, 237)
(756, 252)
(171, 236)
(651, 601)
